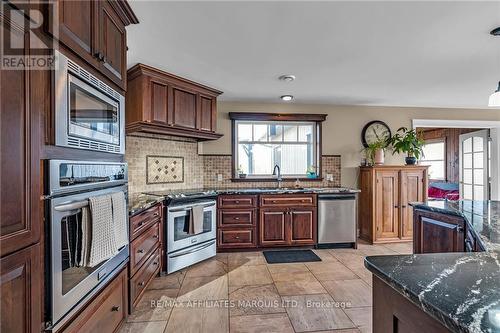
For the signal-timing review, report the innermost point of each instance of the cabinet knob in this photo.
(155, 236)
(237, 201)
(115, 308)
(141, 284)
(156, 214)
(236, 218)
(237, 237)
(155, 263)
(140, 251)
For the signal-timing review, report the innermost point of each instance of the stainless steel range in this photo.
(184, 248)
(69, 282)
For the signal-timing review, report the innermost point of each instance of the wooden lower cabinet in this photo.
(393, 313)
(107, 312)
(21, 285)
(273, 225)
(437, 233)
(289, 226)
(386, 191)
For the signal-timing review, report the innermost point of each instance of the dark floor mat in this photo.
(287, 256)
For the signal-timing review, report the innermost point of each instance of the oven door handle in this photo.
(192, 250)
(71, 206)
(187, 208)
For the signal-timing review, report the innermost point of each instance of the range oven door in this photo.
(178, 221)
(71, 284)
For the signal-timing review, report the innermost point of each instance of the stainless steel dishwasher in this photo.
(337, 220)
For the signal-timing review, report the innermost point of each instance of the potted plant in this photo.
(375, 152)
(240, 172)
(407, 141)
(311, 171)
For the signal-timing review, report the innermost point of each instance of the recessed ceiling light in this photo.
(495, 32)
(287, 98)
(287, 78)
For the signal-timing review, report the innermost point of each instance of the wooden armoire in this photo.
(386, 191)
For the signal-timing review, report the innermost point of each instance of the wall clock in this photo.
(373, 131)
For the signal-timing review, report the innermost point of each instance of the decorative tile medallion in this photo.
(164, 169)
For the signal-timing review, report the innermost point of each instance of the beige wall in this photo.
(342, 129)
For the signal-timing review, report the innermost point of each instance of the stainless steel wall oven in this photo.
(69, 283)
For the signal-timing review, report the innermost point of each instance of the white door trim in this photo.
(448, 123)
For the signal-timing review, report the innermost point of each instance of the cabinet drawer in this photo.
(287, 200)
(237, 201)
(143, 246)
(142, 221)
(140, 281)
(106, 312)
(236, 218)
(236, 238)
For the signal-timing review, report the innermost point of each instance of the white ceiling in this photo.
(399, 53)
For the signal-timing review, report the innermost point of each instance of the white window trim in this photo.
(316, 149)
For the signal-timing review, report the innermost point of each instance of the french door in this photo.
(474, 165)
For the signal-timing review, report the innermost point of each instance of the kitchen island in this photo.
(440, 292)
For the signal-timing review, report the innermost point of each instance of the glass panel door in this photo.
(474, 175)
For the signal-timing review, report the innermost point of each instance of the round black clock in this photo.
(375, 131)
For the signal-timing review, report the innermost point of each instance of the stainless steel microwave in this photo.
(89, 114)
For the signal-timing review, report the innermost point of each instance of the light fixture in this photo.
(287, 98)
(287, 77)
(495, 98)
(495, 32)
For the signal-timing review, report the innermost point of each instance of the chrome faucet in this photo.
(279, 179)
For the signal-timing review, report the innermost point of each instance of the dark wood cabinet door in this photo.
(206, 114)
(184, 108)
(387, 205)
(437, 233)
(20, 138)
(273, 225)
(21, 285)
(303, 226)
(412, 190)
(78, 27)
(159, 102)
(112, 44)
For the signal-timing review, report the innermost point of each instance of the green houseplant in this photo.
(375, 152)
(407, 141)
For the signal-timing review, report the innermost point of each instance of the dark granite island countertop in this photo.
(460, 290)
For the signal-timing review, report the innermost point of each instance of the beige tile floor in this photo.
(240, 292)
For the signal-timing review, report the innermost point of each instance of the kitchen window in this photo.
(435, 156)
(259, 145)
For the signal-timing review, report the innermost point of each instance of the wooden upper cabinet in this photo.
(387, 204)
(21, 101)
(95, 31)
(161, 103)
(112, 44)
(386, 191)
(20, 287)
(184, 108)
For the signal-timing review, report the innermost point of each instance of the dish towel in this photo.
(120, 219)
(196, 220)
(85, 238)
(103, 242)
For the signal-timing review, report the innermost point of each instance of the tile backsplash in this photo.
(221, 164)
(138, 148)
(201, 170)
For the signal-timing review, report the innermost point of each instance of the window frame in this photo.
(445, 158)
(285, 119)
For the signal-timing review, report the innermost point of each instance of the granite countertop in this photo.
(460, 290)
(482, 216)
(140, 202)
